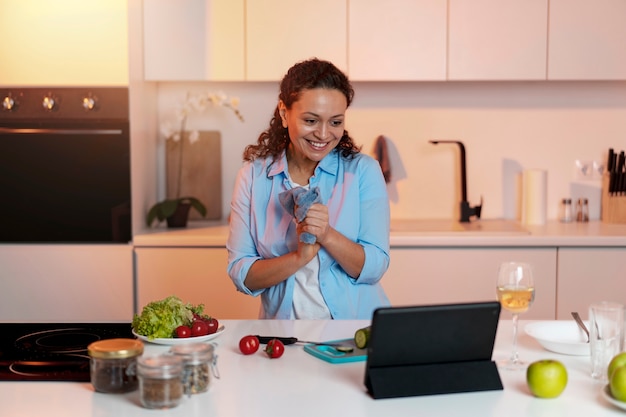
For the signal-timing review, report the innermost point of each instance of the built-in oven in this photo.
(65, 165)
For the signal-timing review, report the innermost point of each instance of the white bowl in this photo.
(182, 341)
(560, 336)
(606, 393)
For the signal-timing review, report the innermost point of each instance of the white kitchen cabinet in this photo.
(194, 40)
(455, 275)
(497, 39)
(587, 275)
(64, 43)
(66, 283)
(397, 40)
(195, 275)
(280, 33)
(587, 40)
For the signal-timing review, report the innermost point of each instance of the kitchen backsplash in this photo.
(506, 127)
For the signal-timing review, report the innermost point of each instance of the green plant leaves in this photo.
(164, 209)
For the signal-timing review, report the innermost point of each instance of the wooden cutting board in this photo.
(201, 173)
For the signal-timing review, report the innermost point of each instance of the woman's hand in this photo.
(350, 255)
(316, 223)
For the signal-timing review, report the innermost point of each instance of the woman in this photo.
(306, 145)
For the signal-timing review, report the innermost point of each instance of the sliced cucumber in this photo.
(362, 337)
(344, 349)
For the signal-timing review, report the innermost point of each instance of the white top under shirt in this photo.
(308, 302)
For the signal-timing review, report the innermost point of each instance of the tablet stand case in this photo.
(472, 371)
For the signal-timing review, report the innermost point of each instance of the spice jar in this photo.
(112, 364)
(566, 210)
(582, 210)
(160, 381)
(198, 361)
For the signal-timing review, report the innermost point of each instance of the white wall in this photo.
(506, 127)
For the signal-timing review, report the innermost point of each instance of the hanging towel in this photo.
(382, 155)
(300, 200)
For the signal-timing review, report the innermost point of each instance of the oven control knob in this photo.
(89, 103)
(8, 103)
(48, 103)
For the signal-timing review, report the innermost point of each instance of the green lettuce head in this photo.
(159, 319)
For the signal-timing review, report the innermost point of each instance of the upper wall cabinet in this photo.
(194, 40)
(497, 39)
(397, 40)
(587, 40)
(64, 42)
(280, 33)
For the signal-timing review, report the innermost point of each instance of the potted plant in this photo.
(175, 210)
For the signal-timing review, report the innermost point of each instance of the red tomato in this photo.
(199, 328)
(213, 324)
(249, 344)
(183, 331)
(274, 349)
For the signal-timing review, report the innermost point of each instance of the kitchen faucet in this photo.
(466, 210)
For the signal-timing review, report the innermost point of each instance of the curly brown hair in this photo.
(305, 75)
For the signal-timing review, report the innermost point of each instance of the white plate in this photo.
(182, 341)
(560, 336)
(606, 393)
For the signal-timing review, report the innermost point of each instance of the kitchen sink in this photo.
(442, 227)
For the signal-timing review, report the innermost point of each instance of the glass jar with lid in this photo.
(199, 362)
(112, 364)
(160, 381)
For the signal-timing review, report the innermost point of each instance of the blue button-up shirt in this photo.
(355, 193)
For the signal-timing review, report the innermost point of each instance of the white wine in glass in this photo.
(515, 289)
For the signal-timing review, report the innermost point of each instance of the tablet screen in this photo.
(426, 334)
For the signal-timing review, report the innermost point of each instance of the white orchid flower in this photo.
(222, 97)
(194, 136)
(167, 129)
(196, 103)
(212, 98)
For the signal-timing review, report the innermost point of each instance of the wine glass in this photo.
(516, 292)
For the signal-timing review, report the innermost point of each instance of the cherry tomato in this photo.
(199, 328)
(183, 331)
(274, 349)
(249, 344)
(213, 324)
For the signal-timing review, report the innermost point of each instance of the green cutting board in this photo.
(332, 355)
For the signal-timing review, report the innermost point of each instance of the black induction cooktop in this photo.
(52, 351)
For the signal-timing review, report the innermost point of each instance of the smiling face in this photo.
(316, 124)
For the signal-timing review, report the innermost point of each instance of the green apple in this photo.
(617, 361)
(617, 383)
(546, 378)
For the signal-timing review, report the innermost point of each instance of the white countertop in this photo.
(301, 385)
(554, 233)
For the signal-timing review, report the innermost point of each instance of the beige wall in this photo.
(505, 126)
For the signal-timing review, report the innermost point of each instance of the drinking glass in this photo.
(606, 323)
(516, 292)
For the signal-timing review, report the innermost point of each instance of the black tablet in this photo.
(432, 349)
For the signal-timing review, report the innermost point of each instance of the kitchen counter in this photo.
(299, 384)
(439, 234)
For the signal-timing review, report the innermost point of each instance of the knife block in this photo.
(613, 206)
